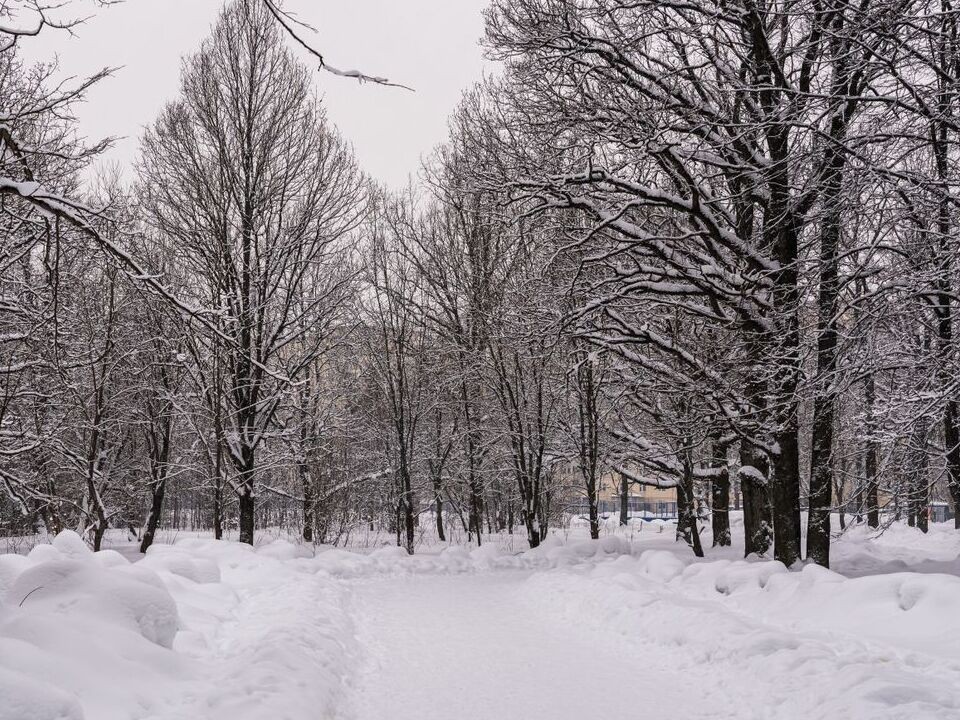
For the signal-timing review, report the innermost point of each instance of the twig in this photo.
(287, 21)
(39, 587)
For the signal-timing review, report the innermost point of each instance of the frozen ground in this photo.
(626, 627)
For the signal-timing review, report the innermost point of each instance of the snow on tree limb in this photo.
(289, 23)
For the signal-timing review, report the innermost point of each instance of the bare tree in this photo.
(255, 189)
(396, 353)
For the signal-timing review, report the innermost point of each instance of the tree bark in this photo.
(439, 511)
(406, 509)
(918, 489)
(821, 459)
(159, 489)
(593, 510)
(246, 513)
(941, 142)
(871, 460)
(686, 510)
(785, 492)
(720, 495)
(754, 469)
(309, 502)
(218, 510)
(624, 501)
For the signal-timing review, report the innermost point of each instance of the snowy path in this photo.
(471, 647)
(594, 642)
(220, 631)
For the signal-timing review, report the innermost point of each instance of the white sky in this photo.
(431, 45)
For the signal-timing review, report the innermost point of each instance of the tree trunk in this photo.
(839, 491)
(159, 489)
(821, 461)
(218, 511)
(589, 435)
(917, 487)
(821, 480)
(406, 510)
(720, 492)
(686, 512)
(785, 493)
(309, 502)
(871, 460)
(624, 501)
(941, 141)
(245, 510)
(757, 533)
(98, 534)
(530, 502)
(781, 231)
(476, 511)
(217, 476)
(543, 513)
(533, 533)
(720, 500)
(439, 510)
(951, 433)
(475, 488)
(457, 507)
(593, 510)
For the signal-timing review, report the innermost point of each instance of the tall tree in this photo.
(246, 177)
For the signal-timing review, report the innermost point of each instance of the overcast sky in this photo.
(430, 45)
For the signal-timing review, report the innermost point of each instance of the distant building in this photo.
(643, 501)
(940, 512)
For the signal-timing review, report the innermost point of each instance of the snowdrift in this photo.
(808, 643)
(553, 553)
(201, 630)
(207, 630)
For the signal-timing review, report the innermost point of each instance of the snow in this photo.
(473, 648)
(794, 644)
(202, 629)
(177, 562)
(629, 624)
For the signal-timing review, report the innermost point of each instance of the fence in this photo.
(660, 509)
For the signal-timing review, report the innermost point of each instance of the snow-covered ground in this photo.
(629, 626)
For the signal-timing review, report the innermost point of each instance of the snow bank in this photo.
(26, 698)
(202, 629)
(88, 592)
(804, 644)
(71, 623)
(281, 635)
(898, 548)
(205, 629)
(166, 558)
(391, 560)
(208, 630)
